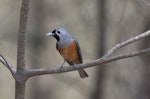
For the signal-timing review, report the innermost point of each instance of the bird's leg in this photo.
(73, 65)
(61, 67)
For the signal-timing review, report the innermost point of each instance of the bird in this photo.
(69, 48)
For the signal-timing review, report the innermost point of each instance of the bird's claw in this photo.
(73, 65)
(61, 67)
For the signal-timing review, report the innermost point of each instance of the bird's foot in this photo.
(61, 67)
(73, 65)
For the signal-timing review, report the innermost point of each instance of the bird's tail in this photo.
(82, 73)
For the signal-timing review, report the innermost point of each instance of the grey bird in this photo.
(69, 48)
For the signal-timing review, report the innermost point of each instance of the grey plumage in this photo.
(63, 40)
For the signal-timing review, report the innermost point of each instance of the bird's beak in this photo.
(50, 34)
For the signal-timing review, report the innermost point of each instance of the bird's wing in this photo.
(78, 49)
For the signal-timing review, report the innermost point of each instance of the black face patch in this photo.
(54, 31)
(55, 35)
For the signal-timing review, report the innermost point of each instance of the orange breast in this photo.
(70, 53)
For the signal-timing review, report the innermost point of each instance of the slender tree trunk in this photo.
(20, 76)
(20, 90)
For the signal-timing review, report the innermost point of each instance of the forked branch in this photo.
(5, 63)
(127, 42)
(105, 59)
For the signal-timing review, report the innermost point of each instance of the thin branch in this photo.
(127, 42)
(104, 59)
(146, 3)
(5, 63)
(132, 54)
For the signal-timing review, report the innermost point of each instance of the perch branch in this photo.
(36, 72)
(105, 59)
(5, 63)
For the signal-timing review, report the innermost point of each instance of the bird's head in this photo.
(58, 33)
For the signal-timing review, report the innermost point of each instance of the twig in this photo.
(146, 3)
(127, 42)
(5, 63)
(132, 54)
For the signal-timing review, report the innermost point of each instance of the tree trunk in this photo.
(20, 76)
(20, 90)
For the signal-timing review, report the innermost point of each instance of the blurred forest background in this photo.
(98, 25)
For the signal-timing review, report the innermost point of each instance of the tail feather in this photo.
(82, 73)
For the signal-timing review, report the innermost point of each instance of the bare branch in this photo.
(5, 63)
(146, 3)
(104, 59)
(132, 54)
(127, 42)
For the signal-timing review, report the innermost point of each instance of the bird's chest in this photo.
(68, 52)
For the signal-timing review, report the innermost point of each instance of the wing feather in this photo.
(78, 49)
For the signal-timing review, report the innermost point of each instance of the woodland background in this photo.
(98, 25)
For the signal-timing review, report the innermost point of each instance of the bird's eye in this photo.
(58, 32)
